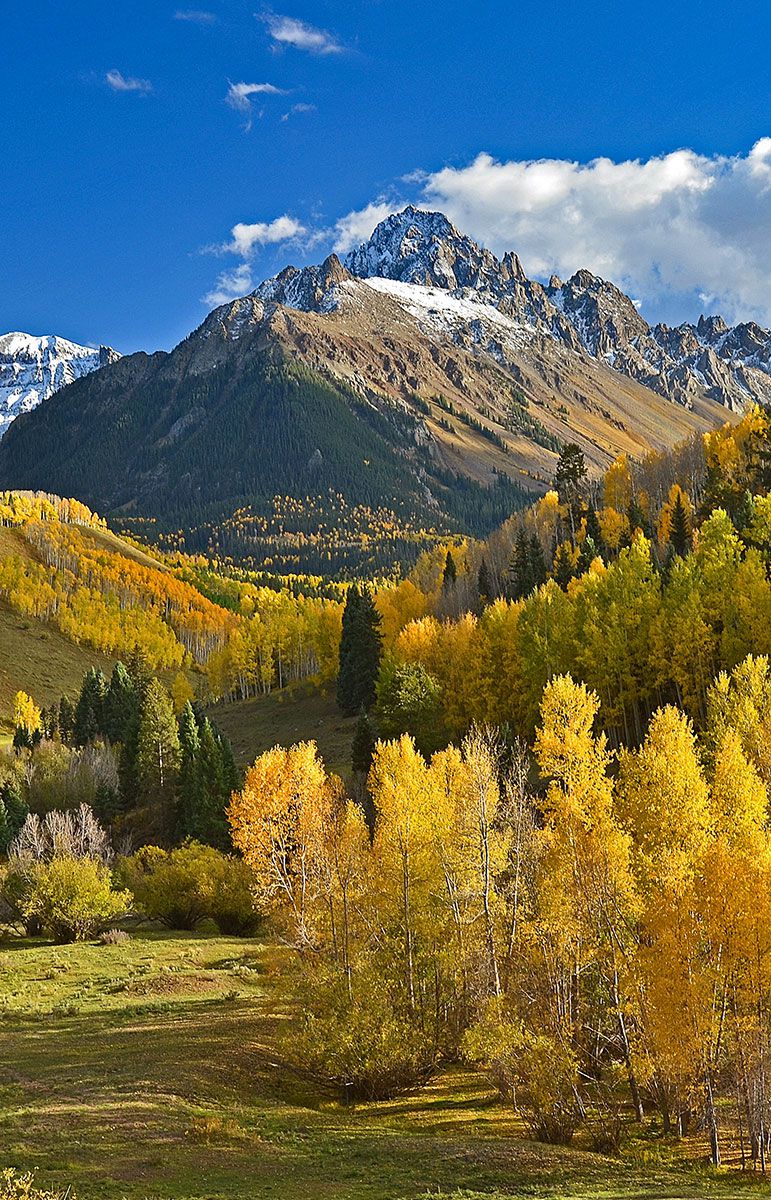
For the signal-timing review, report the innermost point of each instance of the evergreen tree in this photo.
(538, 572)
(570, 483)
(346, 675)
(66, 719)
(680, 528)
(15, 809)
(49, 720)
(121, 704)
(450, 572)
(363, 746)
(213, 826)
(6, 837)
(191, 801)
(157, 758)
(139, 670)
(520, 569)
(593, 530)
(89, 710)
(360, 650)
(637, 518)
(484, 584)
(22, 739)
(563, 568)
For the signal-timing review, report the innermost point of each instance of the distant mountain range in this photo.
(411, 376)
(33, 368)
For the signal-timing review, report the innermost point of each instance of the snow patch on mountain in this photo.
(33, 368)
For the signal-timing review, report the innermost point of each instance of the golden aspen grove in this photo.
(544, 861)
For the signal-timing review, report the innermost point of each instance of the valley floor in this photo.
(149, 1070)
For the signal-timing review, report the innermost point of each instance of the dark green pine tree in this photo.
(593, 530)
(213, 827)
(570, 482)
(190, 793)
(231, 775)
(637, 518)
(363, 746)
(563, 569)
(89, 710)
(121, 705)
(360, 651)
(128, 774)
(49, 719)
(450, 572)
(538, 571)
(66, 719)
(484, 584)
(520, 569)
(13, 814)
(6, 837)
(346, 673)
(680, 528)
(139, 670)
(22, 739)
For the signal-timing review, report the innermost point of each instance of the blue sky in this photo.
(126, 167)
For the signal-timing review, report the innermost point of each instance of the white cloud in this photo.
(289, 31)
(125, 83)
(245, 241)
(230, 285)
(356, 227)
(681, 232)
(298, 110)
(240, 95)
(247, 238)
(197, 16)
(679, 225)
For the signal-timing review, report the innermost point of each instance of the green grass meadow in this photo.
(150, 1070)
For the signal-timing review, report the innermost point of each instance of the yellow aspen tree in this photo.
(588, 898)
(663, 802)
(404, 849)
(26, 714)
(278, 822)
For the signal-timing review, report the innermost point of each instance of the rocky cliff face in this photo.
(731, 366)
(33, 368)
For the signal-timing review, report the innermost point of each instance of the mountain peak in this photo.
(416, 246)
(33, 368)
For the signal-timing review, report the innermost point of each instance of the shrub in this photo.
(114, 937)
(73, 899)
(22, 1187)
(363, 1046)
(189, 885)
(534, 1071)
(16, 883)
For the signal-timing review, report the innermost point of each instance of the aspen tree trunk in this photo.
(714, 1144)
(626, 1050)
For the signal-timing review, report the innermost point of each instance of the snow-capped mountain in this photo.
(33, 368)
(416, 370)
(729, 365)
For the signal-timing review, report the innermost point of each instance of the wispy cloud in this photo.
(357, 226)
(246, 238)
(127, 83)
(299, 110)
(245, 241)
(289, 31)
(240, 95)
(230, 285)
(197, 16)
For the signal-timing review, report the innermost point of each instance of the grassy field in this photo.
(284, 718)
(36, 658)
(150, 1070)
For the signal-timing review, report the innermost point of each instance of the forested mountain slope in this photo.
(425, 386)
